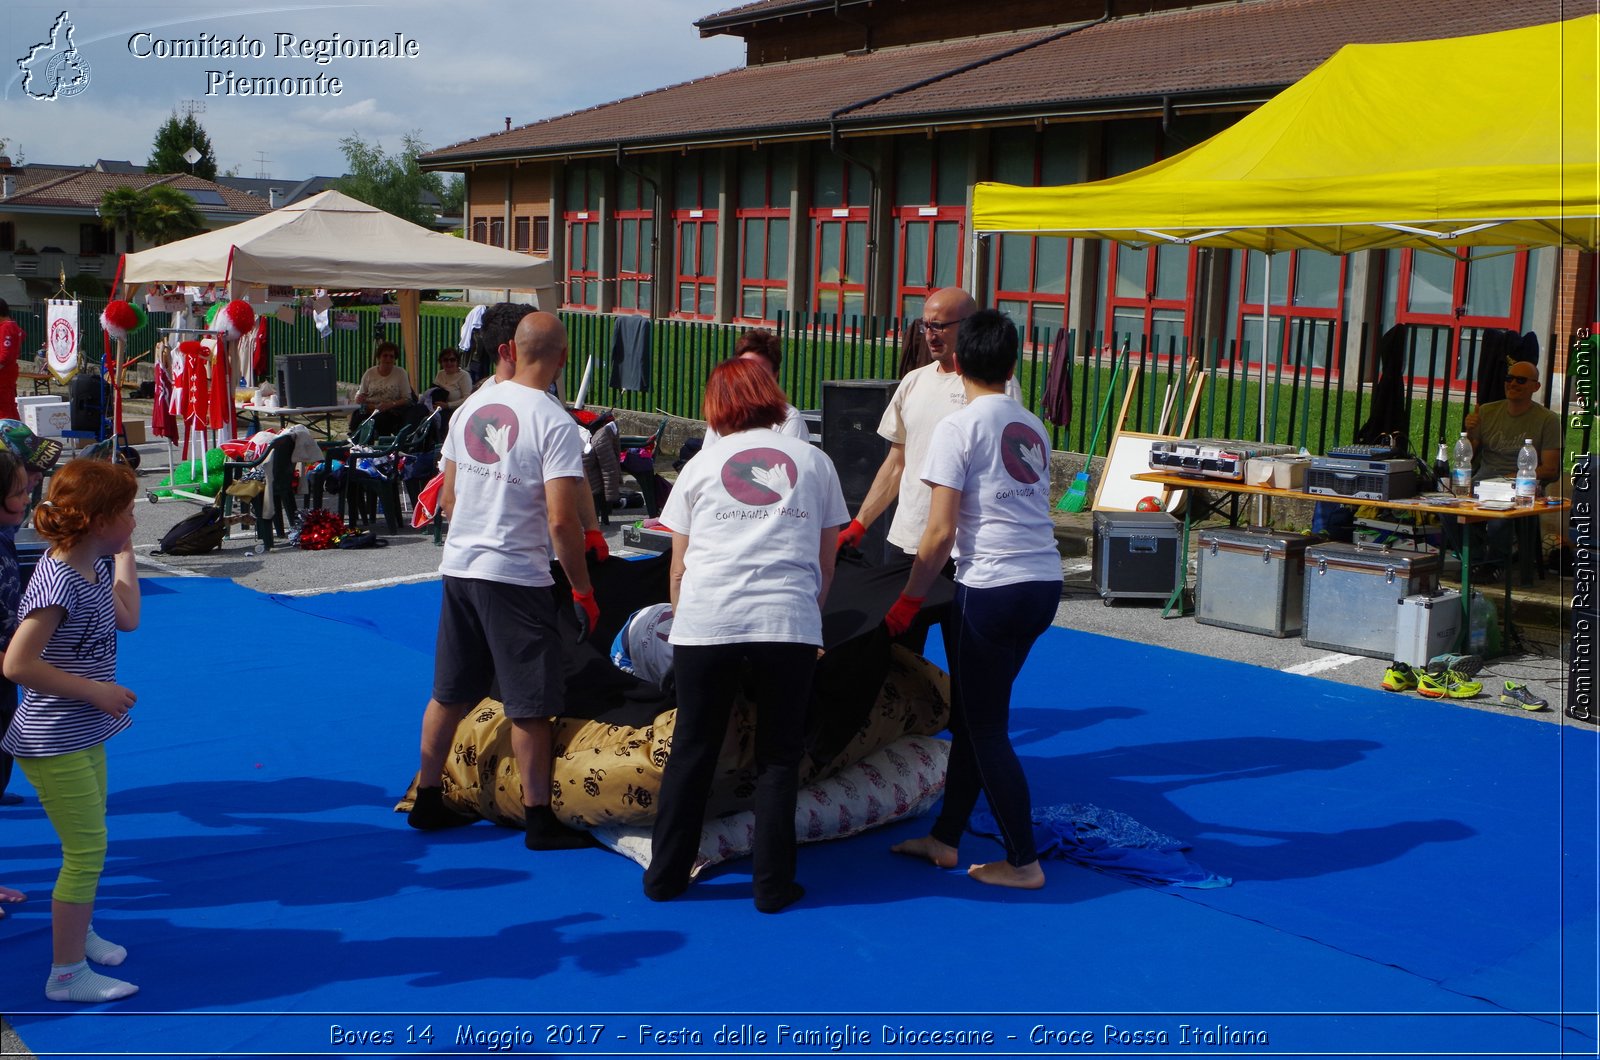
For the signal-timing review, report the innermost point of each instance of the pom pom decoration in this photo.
(237, 318)
(119, 317)
(319, 529)
(1148, 504)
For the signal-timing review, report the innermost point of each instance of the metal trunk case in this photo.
(1252, 580)
(1427, 625)
(1135, 555)
(1353, 595)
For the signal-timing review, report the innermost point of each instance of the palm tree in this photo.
(120, 208)
(168, 214)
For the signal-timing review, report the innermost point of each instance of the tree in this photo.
(168, 214)
(454, 196)
(393, 183)
(176, 136)
(122, 208)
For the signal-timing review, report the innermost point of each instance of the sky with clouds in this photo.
(465, 66)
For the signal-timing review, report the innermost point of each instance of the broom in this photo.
(1077, 494)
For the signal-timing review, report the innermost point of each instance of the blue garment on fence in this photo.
(1110, 841)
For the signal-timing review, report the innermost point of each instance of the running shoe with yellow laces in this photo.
(1520, 695)
(1447, 684)
(1399, 677)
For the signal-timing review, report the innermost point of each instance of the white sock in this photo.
(76, 982)
(100, 951)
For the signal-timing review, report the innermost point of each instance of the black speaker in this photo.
(851, 409)
(86, 396)
(306, 380)
(1582, 693)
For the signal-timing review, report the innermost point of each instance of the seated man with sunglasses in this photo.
(1497, 430)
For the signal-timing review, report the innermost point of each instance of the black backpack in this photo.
(199, 533)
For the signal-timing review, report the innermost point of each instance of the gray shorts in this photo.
(491, 630)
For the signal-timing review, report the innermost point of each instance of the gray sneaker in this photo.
(1518, 695)
(1465, 665)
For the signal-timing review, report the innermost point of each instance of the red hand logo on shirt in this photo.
(491, 433)
(1023, 453)
(759, 477)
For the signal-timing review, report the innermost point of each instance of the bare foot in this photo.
(7, 894)
(1029, 877)
(930, 848)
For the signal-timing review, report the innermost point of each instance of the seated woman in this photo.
(451, 385)
(385, 392)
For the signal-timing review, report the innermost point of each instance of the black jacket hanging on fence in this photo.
(914, 349)
(1058, 384)
(1390, 413)
(630, 353)
(1502, 347)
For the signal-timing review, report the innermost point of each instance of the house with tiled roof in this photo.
(831, 175)
(50, 219)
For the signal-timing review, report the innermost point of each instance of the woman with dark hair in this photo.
(763, 347)
(755, 527)
(989, 467)
(385, 392)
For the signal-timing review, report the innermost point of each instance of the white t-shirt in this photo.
(507, 441)
(923, 398)
(794, 425)
(998, 456)
(754, 506)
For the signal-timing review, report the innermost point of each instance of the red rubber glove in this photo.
(902, 614)
(850, 536)
(594, 543)
(588, 612)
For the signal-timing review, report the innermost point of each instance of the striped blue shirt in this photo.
(84, 644)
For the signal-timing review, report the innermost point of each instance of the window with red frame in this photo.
(636, 229)
(1149, 292)
(1460, 299)
(766, 181)
(1303, 308)
(695, 218)
(841, 198)
(584, 186)
(930, 215)
(1028, 275)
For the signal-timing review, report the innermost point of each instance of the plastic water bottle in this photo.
(1461, 467)
(1441, 469)
(1480, 616)
(1527, 474)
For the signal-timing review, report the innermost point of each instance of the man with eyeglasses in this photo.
(925, 396)
(1497, 430)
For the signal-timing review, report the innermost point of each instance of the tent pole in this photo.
(1266, 330)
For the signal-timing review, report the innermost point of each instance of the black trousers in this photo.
(709, 677)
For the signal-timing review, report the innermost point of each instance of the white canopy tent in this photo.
(330, 240)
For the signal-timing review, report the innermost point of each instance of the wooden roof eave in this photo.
(1079, 110)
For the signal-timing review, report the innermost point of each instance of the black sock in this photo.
(429, 814)
(544, 832)
(777, 903)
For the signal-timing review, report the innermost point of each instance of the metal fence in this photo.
(1311, 401)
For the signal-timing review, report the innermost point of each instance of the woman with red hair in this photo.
(755, 524)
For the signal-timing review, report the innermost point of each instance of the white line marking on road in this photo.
(1327, 662)
(166, 568)
(376, 583)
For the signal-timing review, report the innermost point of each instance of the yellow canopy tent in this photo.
(1486, 140)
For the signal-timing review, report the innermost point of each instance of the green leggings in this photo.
(72, 790)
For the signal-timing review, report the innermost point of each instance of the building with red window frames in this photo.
(831, 175)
